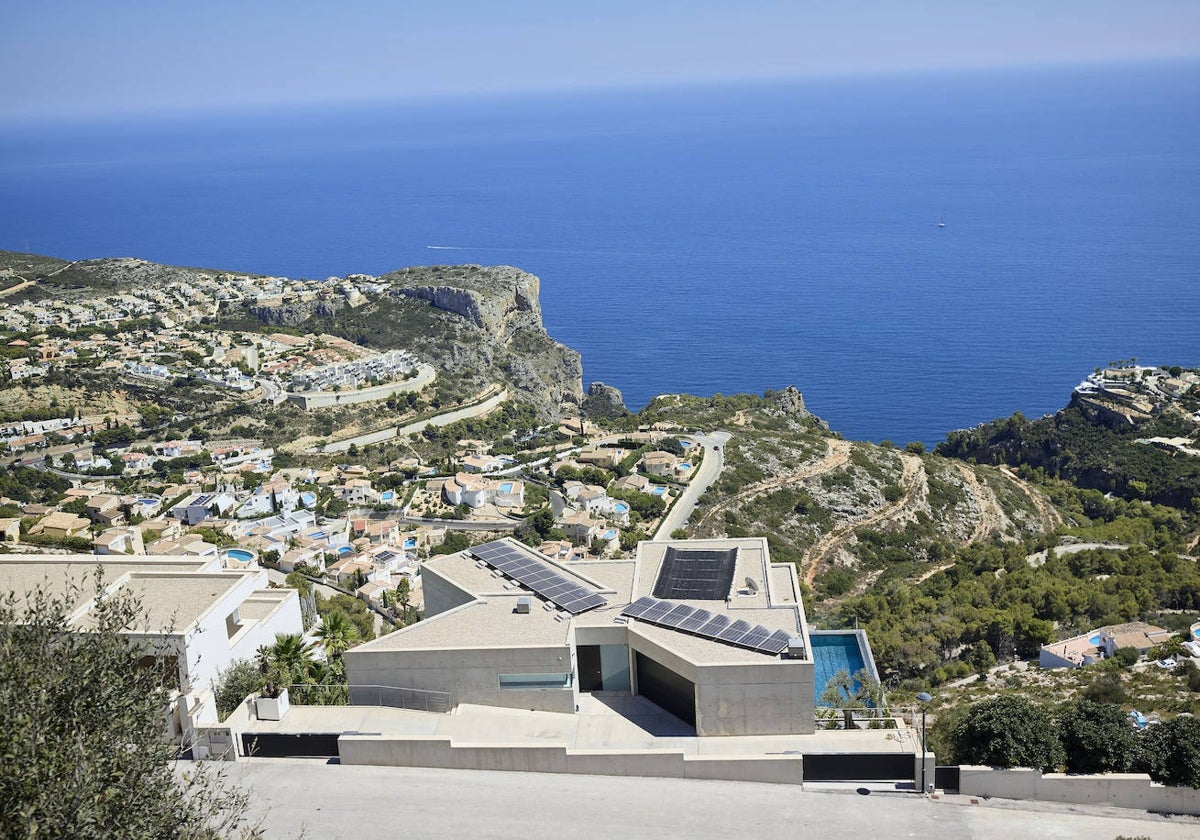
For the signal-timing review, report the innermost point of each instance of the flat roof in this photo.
(173, 593)
(491, 620)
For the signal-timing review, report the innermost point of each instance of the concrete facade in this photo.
(476, 643)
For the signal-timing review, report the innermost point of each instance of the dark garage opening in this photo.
(666, 689)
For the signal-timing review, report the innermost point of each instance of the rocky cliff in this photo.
(478, 325)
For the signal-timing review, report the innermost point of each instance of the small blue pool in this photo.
(610, 535)
(411, 542)
(506, 487)
(318, 535)
(1095, 640)
(685, 443)
(239, 554)
(684, 467)
(1196, 632)
(387, 496)
(148, 502)
(833, 652)
(621, 507)
(658, 491)
(308, 499)
(345, 549)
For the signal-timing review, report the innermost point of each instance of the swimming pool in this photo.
(148, 502)
(1095, 640)
(345, 549)
(506, 487)
(411, 542)
(684, 467)
(610, 535)
(834, 651)
(386, 496)
(658, 491)
(685, 443)
(621, 507)
(308, 499)
(239, 554)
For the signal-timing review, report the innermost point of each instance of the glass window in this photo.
(535, 680)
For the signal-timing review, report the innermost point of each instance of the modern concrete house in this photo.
(708, 630)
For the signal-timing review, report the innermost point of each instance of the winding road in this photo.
(706, 474)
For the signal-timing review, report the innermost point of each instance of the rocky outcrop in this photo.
(293, 314)
(496, 326)
(603, 402)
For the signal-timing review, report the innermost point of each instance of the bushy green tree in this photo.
(1008, 731)
(81, 725)
(1096, 737)
(1170, 752)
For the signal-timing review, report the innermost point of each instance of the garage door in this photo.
(666, 689)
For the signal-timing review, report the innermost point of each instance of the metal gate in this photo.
(859, 767)
(290, 745)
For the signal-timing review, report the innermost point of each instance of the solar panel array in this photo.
(533, 574)
(700, 622)
(690, 574)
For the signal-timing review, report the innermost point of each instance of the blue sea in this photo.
(708, 239)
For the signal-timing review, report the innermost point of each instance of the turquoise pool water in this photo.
(411, 542)
(345, 550)
(387, 496)
(506, 487)
(658, 491)
(621, 507)
(685, 466)
(1095, 640)
(240, 554)
(308, 499)
(833, 652)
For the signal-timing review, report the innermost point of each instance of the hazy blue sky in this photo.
(92, 57)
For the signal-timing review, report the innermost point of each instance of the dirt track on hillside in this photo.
(837, 453)
(913, 481)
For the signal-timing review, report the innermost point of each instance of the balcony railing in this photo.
(369, 695)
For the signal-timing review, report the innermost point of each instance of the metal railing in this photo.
(400, 698)
(827, 717)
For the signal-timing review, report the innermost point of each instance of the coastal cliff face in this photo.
(478, 325)
(500, 316)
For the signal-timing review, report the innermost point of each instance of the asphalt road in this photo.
(706, 474)
(299, 797)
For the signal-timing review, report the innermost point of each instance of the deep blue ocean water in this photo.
(709, 239)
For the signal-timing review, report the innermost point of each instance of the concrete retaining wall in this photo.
(1122, 790)
(441, 753)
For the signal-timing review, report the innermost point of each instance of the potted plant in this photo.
(272, 703)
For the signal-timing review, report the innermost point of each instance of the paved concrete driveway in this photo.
(331, 801)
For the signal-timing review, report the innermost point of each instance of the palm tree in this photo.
(290, 656)
(336, 633)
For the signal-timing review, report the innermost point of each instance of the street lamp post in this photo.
(923, 698)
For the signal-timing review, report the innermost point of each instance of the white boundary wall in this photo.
(1122, 790)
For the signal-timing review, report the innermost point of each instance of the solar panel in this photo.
(689, 574)
(777, 642)
(535, 575)
(677, 616)
(638, 607)
(698, 622)
(695, 621)
(735, 631)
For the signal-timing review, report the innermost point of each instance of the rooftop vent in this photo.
(795, 648)
(524, 604)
